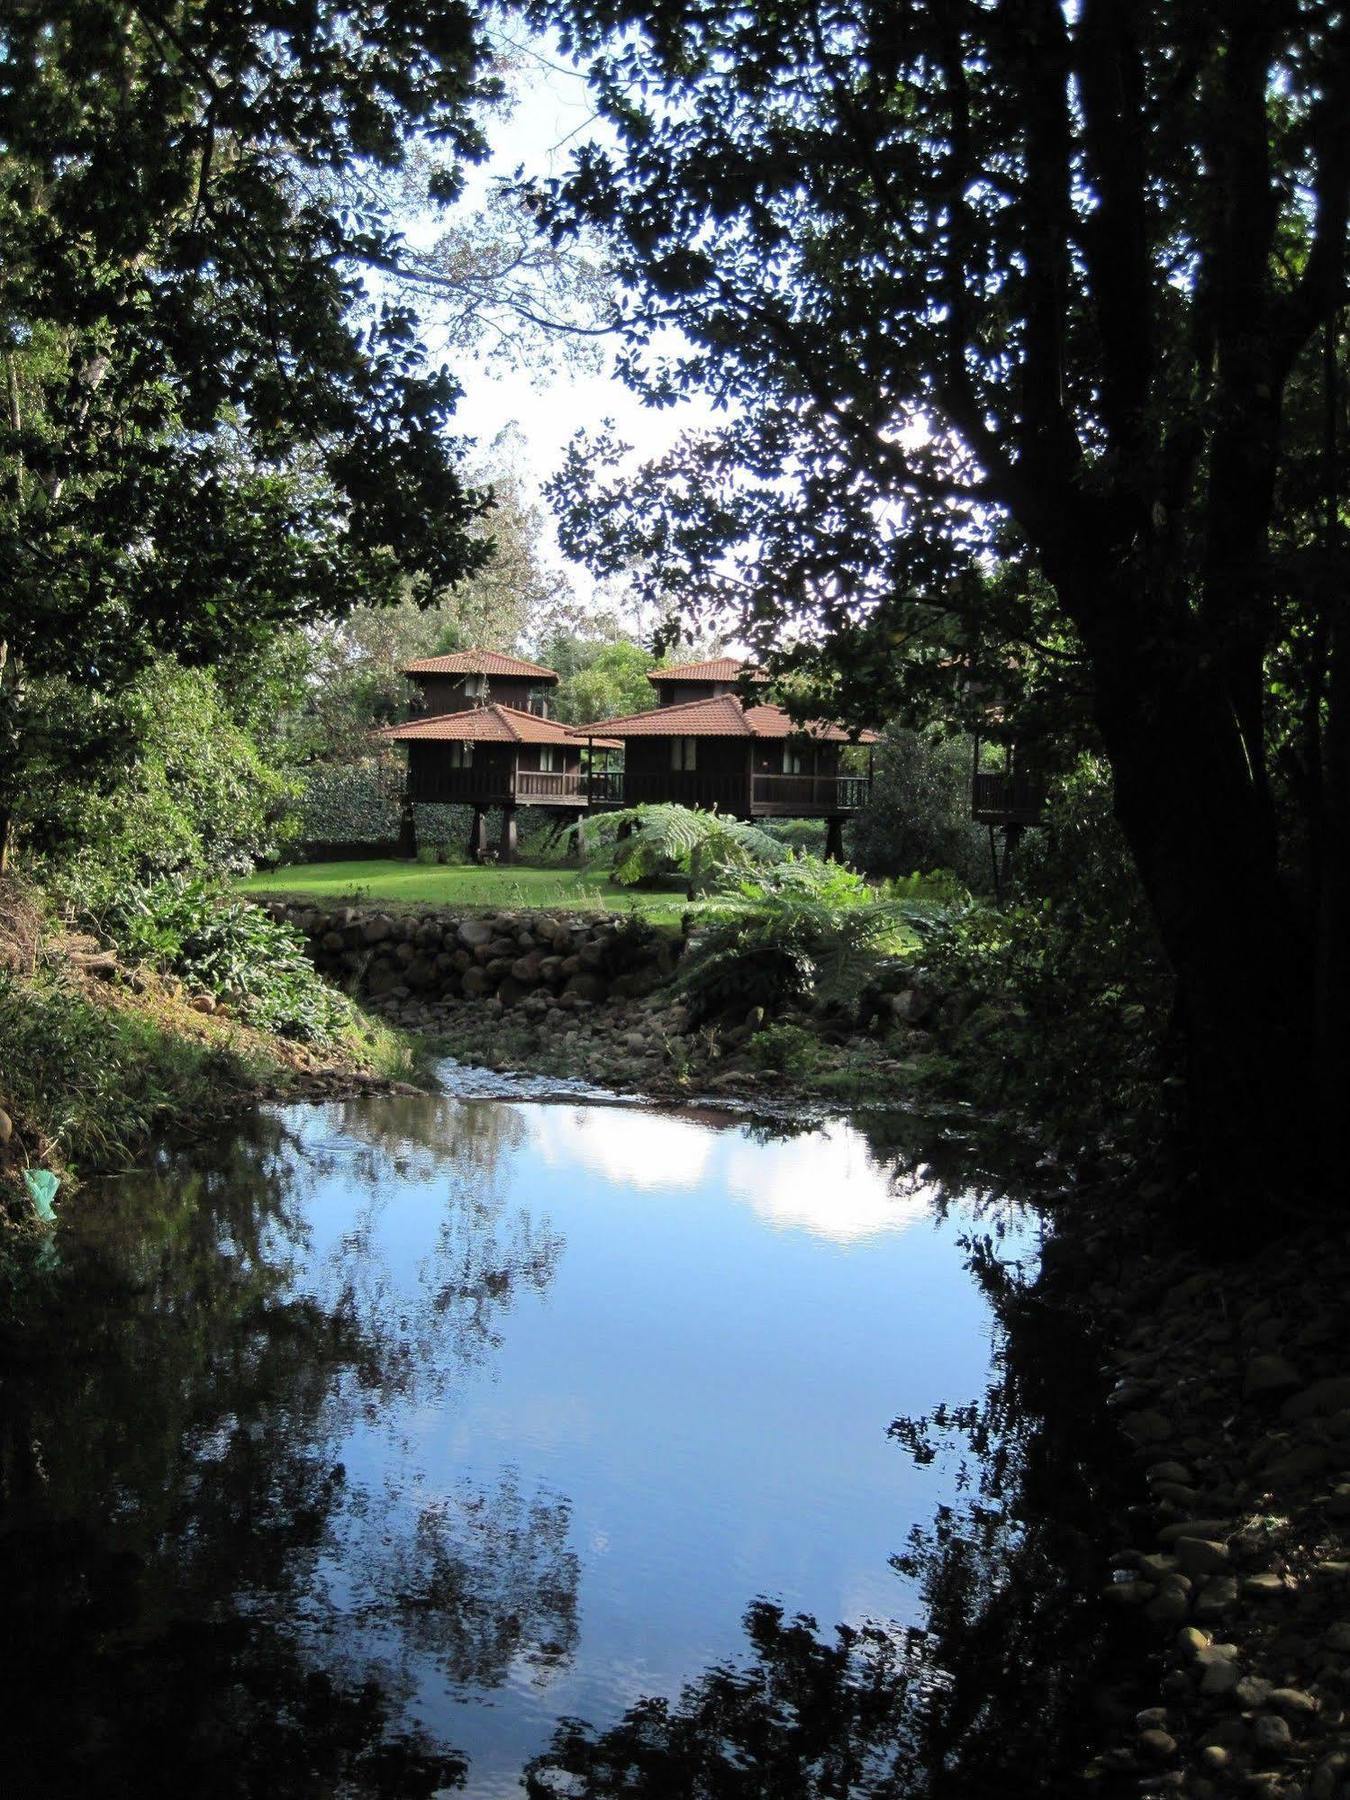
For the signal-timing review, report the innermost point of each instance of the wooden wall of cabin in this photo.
(720, 778)
(445, 693)
(816, 758)
(433, 777)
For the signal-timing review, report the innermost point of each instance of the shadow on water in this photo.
(176, 1517)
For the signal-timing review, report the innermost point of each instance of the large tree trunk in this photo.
(1198, 824)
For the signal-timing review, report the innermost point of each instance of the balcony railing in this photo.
(999, 798)
(812, 793)
(536, 785)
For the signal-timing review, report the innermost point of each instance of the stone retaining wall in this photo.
(533, 959)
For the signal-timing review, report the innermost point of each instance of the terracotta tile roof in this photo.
(723, 716)
(480, 662)
(720, 668)
(773, 722)
(493, 724)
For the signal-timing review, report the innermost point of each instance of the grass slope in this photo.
(467, 885)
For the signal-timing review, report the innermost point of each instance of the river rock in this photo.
(1201, 1556)
(1269, 1373)
(1252, 1691)
(1219, 1678)
(474, 932)
(1218, 1597)
(475, 982)
(1157, 1745)
(1272, 1736)
(1293, 1702)
(1329, 1395)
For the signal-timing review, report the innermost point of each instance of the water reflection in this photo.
(411, 1432)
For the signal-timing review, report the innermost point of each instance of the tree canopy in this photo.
(1005, 307)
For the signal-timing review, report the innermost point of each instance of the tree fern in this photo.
(662, 840)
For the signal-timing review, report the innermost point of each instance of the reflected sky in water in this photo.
(702, 1387)
(511, 1408)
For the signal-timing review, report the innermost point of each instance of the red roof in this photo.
(480, 662)
(720, 668)
(493, 724)
(724, 716)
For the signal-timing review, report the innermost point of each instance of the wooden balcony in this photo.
(546, 787)
(802, 796)
(1000, 798)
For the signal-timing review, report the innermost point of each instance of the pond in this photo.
(418, 1442)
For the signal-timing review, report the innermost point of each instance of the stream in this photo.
(413, 1445)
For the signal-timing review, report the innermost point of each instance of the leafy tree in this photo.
(608, 682)
(172, 779)
(212, 425)
(918, 812)
(1033, 283)
(352, 672)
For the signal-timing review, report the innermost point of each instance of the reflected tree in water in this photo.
(491, 1586)
(173, 1504)
(799, 1715)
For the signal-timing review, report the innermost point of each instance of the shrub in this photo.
(138, 784)
(918, 814)
(223, 945)
(350, 803)
(786, 1049)
(805, 929)
(1068, 992)
(707, 848)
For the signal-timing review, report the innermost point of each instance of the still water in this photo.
(378, 1449)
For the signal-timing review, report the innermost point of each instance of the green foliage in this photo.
(157, 778)
(805, 930)
(223, 945)
(93, 1084)
(1066, 992)
(918, 813)
(349, 803)
(666, 840)
(603, 681)
(786, 1049)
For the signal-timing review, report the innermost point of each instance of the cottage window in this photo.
(684, 754)
(548, 759)
(792, 759)
(461, 756)
(475, 686)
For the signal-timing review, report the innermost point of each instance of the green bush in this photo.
(94, 1083)
(131, 786)
(785, 1049)
(918, 814)
(802, 930)
(1066, 989)
(707, 849)
(223, 945)
(350, 803)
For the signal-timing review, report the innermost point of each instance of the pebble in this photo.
(1269, 1373)
(1191, 1642)
(1262, 1587)
(1219, 1597)
(1272, 1736)
(1294, 1703)
(1201, 1556)
(1329, 1395)
(1252, 1692)
(1220, 1678)
(1159, 1746)
(1195, 1528)
(1337, 1636)
(1215, 1757)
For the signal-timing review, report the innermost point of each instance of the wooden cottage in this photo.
(751, 761)
(480, 736)
(683, 682)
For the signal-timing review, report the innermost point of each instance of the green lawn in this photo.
(433, 884)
